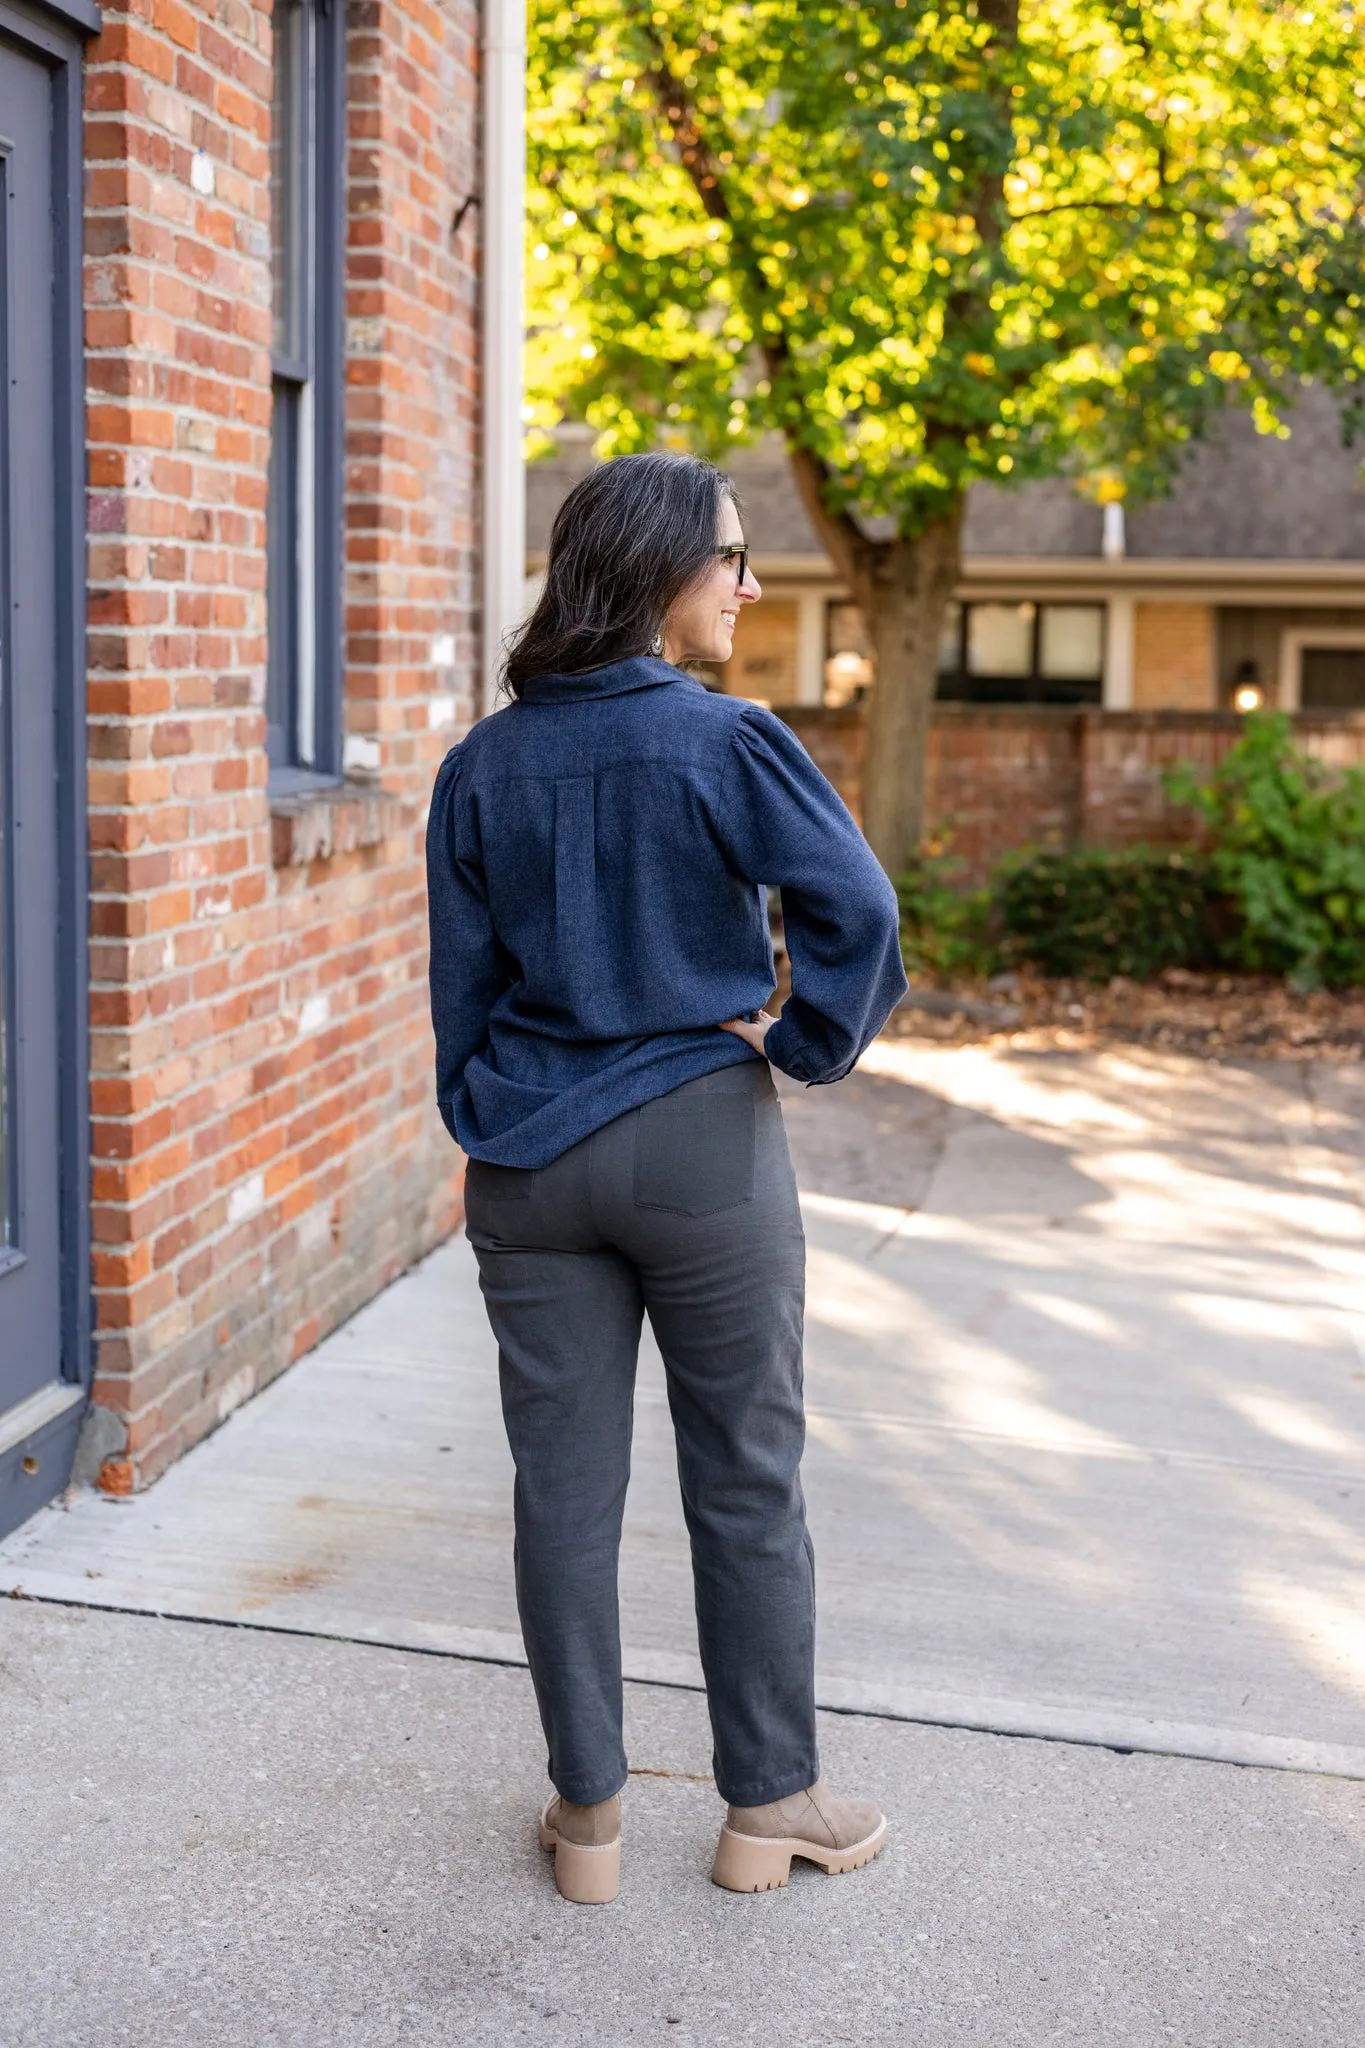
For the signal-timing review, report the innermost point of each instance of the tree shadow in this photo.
(876, 1139)
(1086, 1425)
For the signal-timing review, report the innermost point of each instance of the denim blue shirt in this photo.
(596, 856)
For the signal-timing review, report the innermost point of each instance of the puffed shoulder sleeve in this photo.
(467, 972)
(783, 825)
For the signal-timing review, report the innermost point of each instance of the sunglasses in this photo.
(738, 553)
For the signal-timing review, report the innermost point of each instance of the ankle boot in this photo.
(757, 1843)
(586, 1841)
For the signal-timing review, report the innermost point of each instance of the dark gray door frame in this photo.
(56, 35)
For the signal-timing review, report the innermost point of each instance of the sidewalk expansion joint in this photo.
(1082, 1728)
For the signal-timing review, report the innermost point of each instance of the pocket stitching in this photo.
(662, 1114)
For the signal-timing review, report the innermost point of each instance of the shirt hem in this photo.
(598, 1102)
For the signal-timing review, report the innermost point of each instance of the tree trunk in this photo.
(903, 590)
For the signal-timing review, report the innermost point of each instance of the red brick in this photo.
(1000, 778)
(204, 952)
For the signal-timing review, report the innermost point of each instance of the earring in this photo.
(656, 645)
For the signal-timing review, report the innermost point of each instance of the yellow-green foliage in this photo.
(942, 243)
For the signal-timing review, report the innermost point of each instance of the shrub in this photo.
(1289, 852)
(1092, 913)
(944, 931)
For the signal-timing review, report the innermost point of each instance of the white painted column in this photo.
(503, 201)
(810, 647)
(1118, 655)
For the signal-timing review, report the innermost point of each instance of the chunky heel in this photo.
(746, 1863)
(588, 1875)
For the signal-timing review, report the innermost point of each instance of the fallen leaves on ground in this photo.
(1211, 1016)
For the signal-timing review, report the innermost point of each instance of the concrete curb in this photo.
(1088, 1727)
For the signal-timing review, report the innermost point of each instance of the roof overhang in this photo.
(1195, 580)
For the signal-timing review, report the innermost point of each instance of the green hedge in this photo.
(944, 930)
(1091, 913)
(1288, 840)
(1281, 888)
(1086, 914)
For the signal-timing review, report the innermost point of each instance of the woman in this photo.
(597, 856)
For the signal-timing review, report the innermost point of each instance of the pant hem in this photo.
(589, 1791)
(764, 1791)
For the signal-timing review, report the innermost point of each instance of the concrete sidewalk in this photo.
(1086, 1378)
(220, 1838)
(1087, 1410)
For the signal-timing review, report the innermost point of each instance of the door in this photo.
(41, 1371)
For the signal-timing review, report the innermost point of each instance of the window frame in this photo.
(1062, 692)
(11, 1250)
(304, 624)
(1294, 643)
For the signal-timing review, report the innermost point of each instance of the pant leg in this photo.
(567, 1321)
(716, 1234)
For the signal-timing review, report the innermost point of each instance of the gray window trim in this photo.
(318, 376)
(11, 1193)
(82, 15)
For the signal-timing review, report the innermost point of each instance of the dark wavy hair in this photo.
(626, 542)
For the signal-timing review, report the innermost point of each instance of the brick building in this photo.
(281, 212)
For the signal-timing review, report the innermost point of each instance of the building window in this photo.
(1005, 653)
(848, 655)
(1332, 678)
(304, 531)
(999, 640)
(989, 653)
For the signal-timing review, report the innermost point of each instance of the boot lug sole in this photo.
(756, 1863)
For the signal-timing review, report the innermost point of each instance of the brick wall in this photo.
(266, 1150)
(837, 741)
(1003, 777)
(1174, 657)
(994, 776)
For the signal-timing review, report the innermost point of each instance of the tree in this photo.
(931, 244)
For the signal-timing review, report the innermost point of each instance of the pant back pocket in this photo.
(695, 1157)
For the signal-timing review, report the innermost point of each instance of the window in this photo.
(994, 652)
(304, 538)
(848, 655)
(999, 653)
(1000, 639)
(1332, 679)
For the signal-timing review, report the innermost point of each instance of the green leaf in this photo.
(930, 248)
(1286, 835)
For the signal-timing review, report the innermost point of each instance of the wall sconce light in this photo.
(846, 674)
(1248, 692)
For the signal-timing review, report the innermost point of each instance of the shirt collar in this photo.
(637, 672)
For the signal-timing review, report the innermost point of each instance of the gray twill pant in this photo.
(686, 1210)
